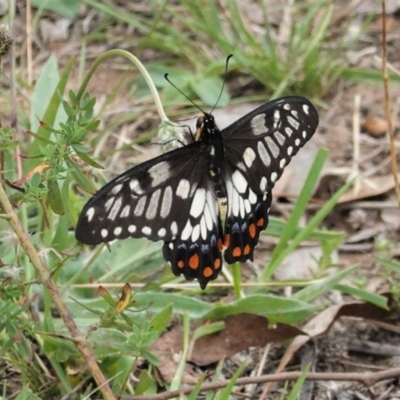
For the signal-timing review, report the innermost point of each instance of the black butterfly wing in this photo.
(146, 200)
(257, 149)
(168, 198)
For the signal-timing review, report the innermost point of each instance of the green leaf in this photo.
(81, 179)
(160, 322)
(317, 289)
(60, 239)
(43, 90)
(276, 309)
(146, 385)
(181, 304)
(27, 394)
(54, 197)
(295, 392)
(66, 8)
(391, 265)
(46, 111)
(373, 298)
(88, 160)
(225, 393)
(209, 89)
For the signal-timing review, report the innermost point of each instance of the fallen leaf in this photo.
(241, 332)
(369, 187)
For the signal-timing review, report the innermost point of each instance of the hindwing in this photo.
(257, 149)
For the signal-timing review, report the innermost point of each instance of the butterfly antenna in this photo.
(223, 84)
(180, 91)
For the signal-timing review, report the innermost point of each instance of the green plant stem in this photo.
(139, 66)
(46, 280)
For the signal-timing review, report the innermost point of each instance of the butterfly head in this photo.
(205, 124)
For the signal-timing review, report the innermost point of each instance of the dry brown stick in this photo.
(368, 379)
(46, 280)
(388, 105)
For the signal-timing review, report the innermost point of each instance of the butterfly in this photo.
(209, 199)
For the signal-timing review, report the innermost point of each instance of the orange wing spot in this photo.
(217, 263)
(260, 222)
(252, 231)
(227, 240)
(207, 272)
(194, 261)
(246, 250)
(181, 264)
(236, 252)
(220, 247)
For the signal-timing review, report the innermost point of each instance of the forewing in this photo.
(257, 148)
(150, 200)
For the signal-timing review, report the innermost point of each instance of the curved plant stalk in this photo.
(170, 133)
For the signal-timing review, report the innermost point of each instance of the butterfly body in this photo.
(208, 199)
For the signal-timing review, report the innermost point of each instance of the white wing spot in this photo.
(146, 230)
(159, 173)
(151, 211)
(277, 117)
(295, 113)
(117, 231)
(263, 184)
(289, 150)
(293, 122)
(247, 206)
(108, 204)
(235, 203)
(166, 202)
(104, 233)
(203, 227)
(263, 153)
(140, 206)
(252, 197)
(249, 157)
(279, 138)
(135, 186)
(174, 228)
(125, 211)
(241, 207)
(289, 131)
(306, 109)
(116, 189)
(304, 134)
(183, 189)
(115, 209)
(161, 232)
(272, 146)
(286, 106)
(187, 231)
(274, 176)
(239, 181)
(208, 218)
(282, 163)
(90, 213)
(258, 126)
(197, 206)
(297, 142)
(131, 228)
(241, 166)
(195, 233)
